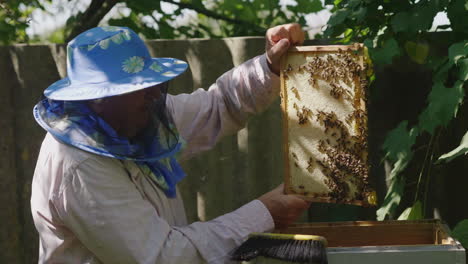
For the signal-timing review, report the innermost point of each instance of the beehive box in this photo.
(323, 102)
(387, 242)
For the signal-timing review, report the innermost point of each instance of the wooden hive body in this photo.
(383, 242)
(325, 124)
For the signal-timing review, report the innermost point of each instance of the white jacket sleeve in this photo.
(103, 208)
(205, 116)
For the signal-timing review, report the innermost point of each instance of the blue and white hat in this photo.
(108, 61)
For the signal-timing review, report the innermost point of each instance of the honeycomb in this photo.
(323, 98)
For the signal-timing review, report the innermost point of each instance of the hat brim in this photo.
(65, 90)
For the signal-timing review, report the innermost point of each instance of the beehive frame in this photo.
(336, 167)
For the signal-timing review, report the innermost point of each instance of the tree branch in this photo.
(215, 15)
(99, 8)
(91, 17)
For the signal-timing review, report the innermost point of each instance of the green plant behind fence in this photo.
(396, 29)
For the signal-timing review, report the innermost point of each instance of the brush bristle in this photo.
(299, 251)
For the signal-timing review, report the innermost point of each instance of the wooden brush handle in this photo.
(289, 236)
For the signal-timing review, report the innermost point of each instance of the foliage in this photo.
(214, 19)
(460, 232)
(396, 29)
(412, 213)
(398, 143)
(14, 19)
(460, 150)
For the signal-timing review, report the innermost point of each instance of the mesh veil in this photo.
(74, 123)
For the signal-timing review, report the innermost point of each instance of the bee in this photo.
(336, 91)
(303, 115)
(349, 119)
(294, 155)
(320, 163)
(364, 82)
(306, 111)
(310, 164)
(296, 93)
(321, 146)
(312, 81)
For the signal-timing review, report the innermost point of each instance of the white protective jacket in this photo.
(94, 209)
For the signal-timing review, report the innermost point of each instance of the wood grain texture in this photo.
(376, 233)
(332, 48)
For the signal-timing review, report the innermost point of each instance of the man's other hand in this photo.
(284, 209)
(278, 40)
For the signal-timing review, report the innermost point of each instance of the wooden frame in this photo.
(370, 197)
(377, 233)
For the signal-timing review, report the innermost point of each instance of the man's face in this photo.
(130, 113)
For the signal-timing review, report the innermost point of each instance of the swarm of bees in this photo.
(344, 154)
(332, 70)
(344, 160)
(303, 114)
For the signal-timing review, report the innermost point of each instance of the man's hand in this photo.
(278, 40)
(284, 209)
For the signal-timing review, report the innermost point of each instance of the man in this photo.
(104, 188)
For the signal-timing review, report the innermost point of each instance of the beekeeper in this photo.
(105, 183)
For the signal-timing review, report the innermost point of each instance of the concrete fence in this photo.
(240, 168)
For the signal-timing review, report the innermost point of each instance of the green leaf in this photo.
(414, 20)
(442, 73)
(369, 43)
(412, 213)
(457, 14)
(463, 73)
(458, 151)
(385, 54)
(143, 6)
(457, 51)
(348, 35)
(460, 232)
(360, 14)
(397, 145)
(392, 198)
(399, 141)
(338, 17)
(423, 17)
(308, 6)
(443, 106)
(401, 22)
(354, 3)
(417, 51)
